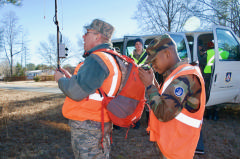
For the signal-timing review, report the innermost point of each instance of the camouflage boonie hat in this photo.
(102, 27)
(158, 44)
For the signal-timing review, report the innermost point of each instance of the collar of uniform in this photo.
(101, 46)
(168, 72)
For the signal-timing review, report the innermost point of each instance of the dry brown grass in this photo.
(31, 83)
(32, 126)
(17, 104)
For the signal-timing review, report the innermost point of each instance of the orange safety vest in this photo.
(178, 138)
(90, 108)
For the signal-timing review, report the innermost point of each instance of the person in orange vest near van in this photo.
(178, 104)
(83, 103)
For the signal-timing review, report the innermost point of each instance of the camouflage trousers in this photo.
(86, 143)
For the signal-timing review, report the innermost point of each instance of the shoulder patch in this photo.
(179, 91)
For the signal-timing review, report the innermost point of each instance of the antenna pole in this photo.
(56, 22)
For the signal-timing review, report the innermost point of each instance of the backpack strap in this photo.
(114, 53)
(104, 95)
(102, 117)
(108, 51)
(102, 127)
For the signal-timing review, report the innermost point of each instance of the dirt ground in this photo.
(32, 127)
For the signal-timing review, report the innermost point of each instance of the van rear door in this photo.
(225, 84)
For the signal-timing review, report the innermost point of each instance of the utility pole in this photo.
(56, 22)
(22, 53)
(11, 71)
(25, 58)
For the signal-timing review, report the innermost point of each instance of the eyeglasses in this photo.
(91, 32)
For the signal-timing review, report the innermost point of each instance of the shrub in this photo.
(36, 78)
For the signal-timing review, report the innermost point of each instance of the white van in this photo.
(224, 83)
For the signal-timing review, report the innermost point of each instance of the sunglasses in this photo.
(91, 32)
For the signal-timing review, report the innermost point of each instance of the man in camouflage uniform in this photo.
(162, 53)
(86, 132)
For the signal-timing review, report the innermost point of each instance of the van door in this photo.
(225, 84)
(128, 44)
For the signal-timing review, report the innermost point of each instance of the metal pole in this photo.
(56, 22)
(25, 58)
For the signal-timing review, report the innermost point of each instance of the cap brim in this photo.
(150, 59)
(88, 27)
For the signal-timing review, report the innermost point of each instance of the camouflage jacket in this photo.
(168, 105)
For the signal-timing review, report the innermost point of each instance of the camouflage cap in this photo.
(102, 27)
(158, 44)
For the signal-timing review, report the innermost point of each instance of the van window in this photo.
(181, 45)
(228, 46)
(147, 42)
(130, 47)
(118, 46)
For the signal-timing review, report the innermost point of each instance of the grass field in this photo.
(32, 126)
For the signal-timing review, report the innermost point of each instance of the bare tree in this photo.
(1, 38)
(14, 2)
(48, 51)
(220, 12)
(79, 53)
(4, 68)
(11, 39)
(235, 16)
(158, 16)
(2, 3)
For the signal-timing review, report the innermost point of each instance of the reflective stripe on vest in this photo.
(136, 60)
(183, 69)
(210, 58)
(115, 77)
(188, 120)
(97, 96)
(210, 61)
